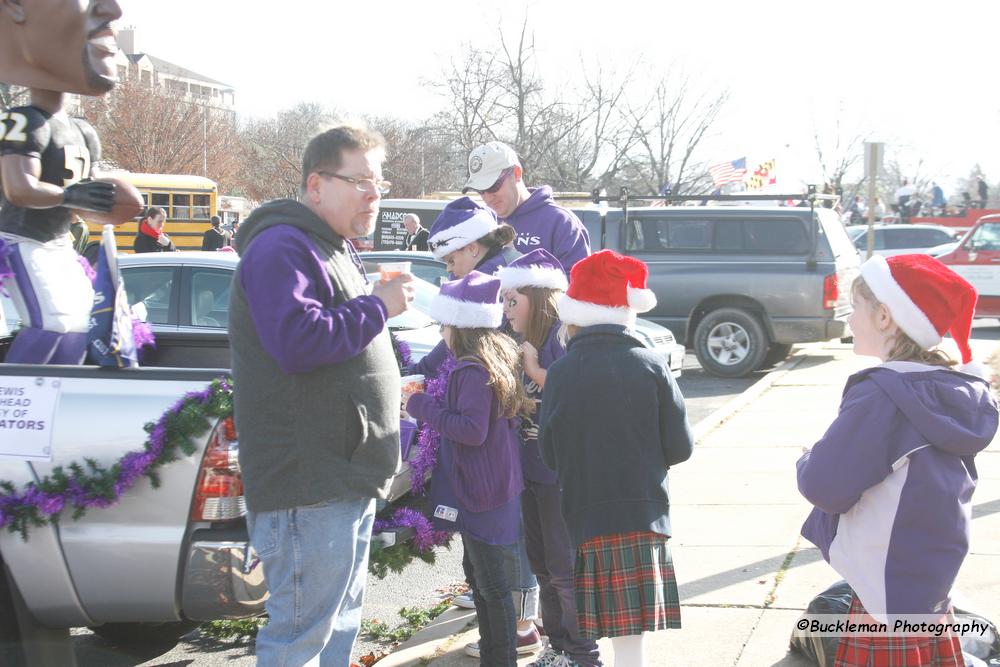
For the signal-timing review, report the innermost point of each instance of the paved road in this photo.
(421, 585)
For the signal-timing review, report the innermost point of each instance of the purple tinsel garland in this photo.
(428, 439)
(132, 466)
(87, 268)
(425, 536)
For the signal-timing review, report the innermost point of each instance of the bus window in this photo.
(182, 207)
(160, 199)
(202, 207)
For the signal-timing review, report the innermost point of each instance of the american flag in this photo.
(728, 172)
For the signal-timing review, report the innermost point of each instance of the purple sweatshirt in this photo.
(892, 482)
(294, 306)
(541, 223)
(479, 460)
(534, 468)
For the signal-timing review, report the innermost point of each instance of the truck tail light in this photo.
(831, 291)
(218, 495)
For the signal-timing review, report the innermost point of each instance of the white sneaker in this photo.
(464, 601)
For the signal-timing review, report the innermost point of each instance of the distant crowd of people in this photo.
(909, 202)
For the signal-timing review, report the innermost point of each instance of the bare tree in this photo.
(838, 150)
(498, 94)
(273, 147)
(668, 128)
(13, 96)
(150, 130)
(420, 158)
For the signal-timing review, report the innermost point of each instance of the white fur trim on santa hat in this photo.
(641, 299)
(975, 368)
(587, 314)
(907, 314)
(460, 235)
(516, 277)
(466, 314)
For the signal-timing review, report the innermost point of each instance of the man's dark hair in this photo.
(216, 221)
(325, 151)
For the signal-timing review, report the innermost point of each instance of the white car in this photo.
(901, 239)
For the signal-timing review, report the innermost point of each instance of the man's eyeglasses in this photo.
(496, 186)
(361, 184)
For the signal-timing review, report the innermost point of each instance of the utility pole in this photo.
(873, 164)
(204, 145)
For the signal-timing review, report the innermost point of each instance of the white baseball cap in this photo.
(487, 162)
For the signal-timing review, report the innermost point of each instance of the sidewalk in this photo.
(745, 575)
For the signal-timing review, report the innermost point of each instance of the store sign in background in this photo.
(389, 231)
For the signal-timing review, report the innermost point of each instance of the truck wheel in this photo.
(144, 634)
(776, 353)
(730, 342)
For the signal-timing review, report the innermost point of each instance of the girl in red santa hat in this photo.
(611, 423)
(892, 478)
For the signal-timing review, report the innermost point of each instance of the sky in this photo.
(919, 76)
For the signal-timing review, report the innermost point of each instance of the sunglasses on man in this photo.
(499, 182)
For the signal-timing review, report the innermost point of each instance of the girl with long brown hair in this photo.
(476, 483)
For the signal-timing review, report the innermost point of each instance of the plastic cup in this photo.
(390, 270)
(410, 385)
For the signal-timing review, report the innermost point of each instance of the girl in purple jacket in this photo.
(892, 478)
(476, 483)
(530, 285)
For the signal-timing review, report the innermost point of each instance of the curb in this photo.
(703, 428)
(425, 645)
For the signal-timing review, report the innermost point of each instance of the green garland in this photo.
(79, 487)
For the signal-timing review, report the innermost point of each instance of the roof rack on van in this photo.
(623, 198)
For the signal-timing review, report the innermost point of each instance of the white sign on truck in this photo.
(27, 409)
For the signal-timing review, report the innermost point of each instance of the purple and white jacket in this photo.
(892, 482)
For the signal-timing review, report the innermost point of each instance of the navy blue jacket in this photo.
(612, 421)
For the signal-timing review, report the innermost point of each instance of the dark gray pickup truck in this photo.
(738, 284)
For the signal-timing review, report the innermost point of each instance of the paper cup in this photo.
(410, 385)
(390, 270)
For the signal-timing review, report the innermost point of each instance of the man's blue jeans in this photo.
(315, 560)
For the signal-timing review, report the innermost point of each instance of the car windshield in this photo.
(417, 316)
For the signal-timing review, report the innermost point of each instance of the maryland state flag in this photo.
(762, 177)
(109, 339)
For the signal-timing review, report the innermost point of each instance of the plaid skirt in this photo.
(625, 585)
(895, 650)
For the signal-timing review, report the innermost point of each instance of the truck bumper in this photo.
(223, 579)
(807, 330)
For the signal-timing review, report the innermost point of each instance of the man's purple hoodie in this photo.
(892, 482)
(541, 223)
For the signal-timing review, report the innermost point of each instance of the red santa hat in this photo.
(925, 298)
(606, 288)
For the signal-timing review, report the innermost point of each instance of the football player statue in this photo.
(53, 47)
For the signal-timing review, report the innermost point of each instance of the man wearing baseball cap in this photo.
(496, 174)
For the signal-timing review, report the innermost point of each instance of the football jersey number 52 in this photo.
(15, 130)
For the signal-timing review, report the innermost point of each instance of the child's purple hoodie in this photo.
(892, 482)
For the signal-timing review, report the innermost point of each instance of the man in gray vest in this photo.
(317, 396)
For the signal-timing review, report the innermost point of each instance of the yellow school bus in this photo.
(190, 203)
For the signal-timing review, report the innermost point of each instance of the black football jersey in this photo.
(66, 147)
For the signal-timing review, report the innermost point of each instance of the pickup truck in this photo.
(160, 561)
(740, 283)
